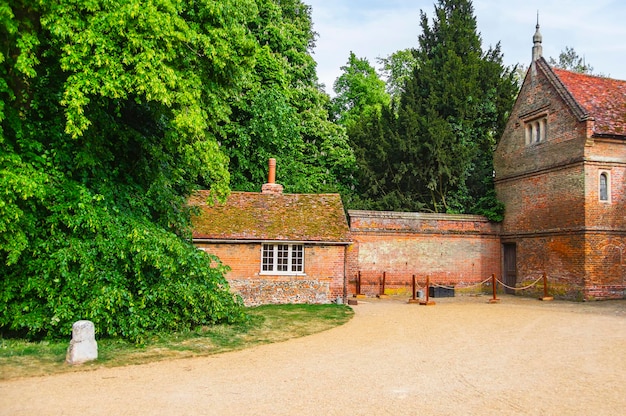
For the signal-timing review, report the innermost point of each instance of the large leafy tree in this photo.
(282, 112)
(110, 114)
(450, 114)
(359, 92)
(359, 105)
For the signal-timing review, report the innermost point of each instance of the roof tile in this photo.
(604, 99)
(272, 217)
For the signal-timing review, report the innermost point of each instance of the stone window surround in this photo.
(604, 190)
(272, 253)
(536, 129)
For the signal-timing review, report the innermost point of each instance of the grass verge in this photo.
(267, 324)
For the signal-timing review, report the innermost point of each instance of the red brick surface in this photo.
(550, 189)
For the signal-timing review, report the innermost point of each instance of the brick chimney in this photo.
(271, 187)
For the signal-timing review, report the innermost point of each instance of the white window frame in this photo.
(607, 175)
(282, 259)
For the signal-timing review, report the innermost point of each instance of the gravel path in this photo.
(459, 357)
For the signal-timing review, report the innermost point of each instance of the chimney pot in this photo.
(272, 173)
(271, 187)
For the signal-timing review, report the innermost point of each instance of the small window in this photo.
(283, 259)
(536, 131)
(605, 187)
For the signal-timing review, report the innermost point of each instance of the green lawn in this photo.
(267, 324)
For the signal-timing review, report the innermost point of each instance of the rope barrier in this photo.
(464, 287)
(520, 288)
(491, 278)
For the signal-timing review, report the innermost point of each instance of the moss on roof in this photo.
(278, 217)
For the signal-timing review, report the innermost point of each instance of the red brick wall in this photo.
(550, 191)
(450, 249)
(321, 283)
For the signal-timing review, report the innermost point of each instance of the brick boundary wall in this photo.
(456, 250)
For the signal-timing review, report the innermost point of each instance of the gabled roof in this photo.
(603, 99)
(249, 216)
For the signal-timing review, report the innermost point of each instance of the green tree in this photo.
(397, 69)
(359, 91)
(569, 60)
(110, 115)
(453, 109)
(282, 112)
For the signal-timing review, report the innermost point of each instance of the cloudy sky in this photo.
(596, 29)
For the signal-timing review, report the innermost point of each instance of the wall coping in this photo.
(416, 216)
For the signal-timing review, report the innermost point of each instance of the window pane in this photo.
(268, 257)
(604, 187)
(282, 259)
(297, 257)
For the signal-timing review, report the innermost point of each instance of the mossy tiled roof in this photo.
(271, 217)
(602, 98)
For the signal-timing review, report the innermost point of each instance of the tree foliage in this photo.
(359, 92)
(397, 69)
(282, 112)
(110, 114)
(454, 106)
(571, 61)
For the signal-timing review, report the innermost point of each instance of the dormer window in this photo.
(536, 130)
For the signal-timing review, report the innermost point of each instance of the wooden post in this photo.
(413, 299)
(494, 284)
(381, 293)
(545, 289)
(358, 286)
(427, 302)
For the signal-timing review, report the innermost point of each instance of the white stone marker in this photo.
(83, 346)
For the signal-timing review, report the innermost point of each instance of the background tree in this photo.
(450, 115)
(110, 116)
(361, 105)
(397, 69)
(359, 91)
(282, 112)
(569, 60)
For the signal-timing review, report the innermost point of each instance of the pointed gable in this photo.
(249, 216)
(603, 99)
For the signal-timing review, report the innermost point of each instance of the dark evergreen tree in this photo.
(452, 111)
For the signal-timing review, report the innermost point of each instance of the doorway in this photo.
(509, 266)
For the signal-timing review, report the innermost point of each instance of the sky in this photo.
(596, 29)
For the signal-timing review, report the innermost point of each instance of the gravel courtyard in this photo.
(461, 356)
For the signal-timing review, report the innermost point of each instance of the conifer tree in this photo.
(450, 115)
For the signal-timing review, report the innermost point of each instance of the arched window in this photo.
(604, 186)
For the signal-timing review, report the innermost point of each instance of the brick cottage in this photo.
(560, 169)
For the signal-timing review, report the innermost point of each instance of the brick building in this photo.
(281, 248)
(561, 173)
(560, 169)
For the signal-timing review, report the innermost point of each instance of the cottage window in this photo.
(283, 259)
(605, 188)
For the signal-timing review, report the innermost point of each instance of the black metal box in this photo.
(440, 292)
